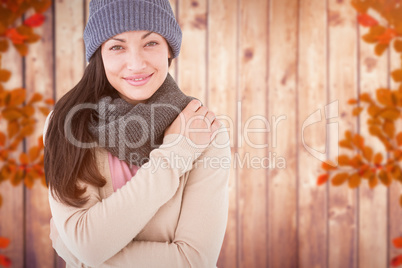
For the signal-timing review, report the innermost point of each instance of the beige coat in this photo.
(172, 213)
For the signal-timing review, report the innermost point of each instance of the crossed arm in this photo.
(101, 234)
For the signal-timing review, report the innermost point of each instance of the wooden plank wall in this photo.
(263, 66)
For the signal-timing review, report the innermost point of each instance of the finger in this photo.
(202, 111)
(210, 117)
(194, 105)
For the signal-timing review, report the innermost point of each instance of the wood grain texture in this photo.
(342, 218)
(192, 17)
(39, 78)
(70, 58)
(312, 97)
(372, 202)
(12, 210)
(222, 94)
(253, 69)
(282, 203)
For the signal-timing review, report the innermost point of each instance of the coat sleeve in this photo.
(202, 223)
(90, 232)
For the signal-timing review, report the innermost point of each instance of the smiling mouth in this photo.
(138, 80)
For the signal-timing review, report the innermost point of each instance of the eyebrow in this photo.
(123, 40)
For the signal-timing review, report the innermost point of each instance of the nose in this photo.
(136, 60)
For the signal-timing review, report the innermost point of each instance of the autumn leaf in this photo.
(384, 96)
(24, 159)
(33, 153)
(4, 75)
(398, 45)
(389, 128)
(35, 20)
(373, 110)
(4, 242)
(360, 6)
(397, 75)
(358, 141)
(380, 48)
(322, 179)
(373, 181)
(35, 98)
(17, 97)
(352, 101)
(5, 261)
(378, 158)
(15, 36)
(2, 139)
(49, 101)
(11, 114)
(368, 153)
(343, 160)
(346, 144)
(3, 45)
(384, 177)
(366, 97)
(390, 114)
(354, 180)
(387, 36)
(12, 128)
(396, 261)
(328, 165)
(339, 179)
(22, 49)
(399, 139)
(41, 6)
(44, 110)
(356, 111)
(366, 20)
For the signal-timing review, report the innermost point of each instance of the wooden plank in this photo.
(312, 97)
(70, 58)
(253, 69)
(395, 191)
(39, 78)
(222, 88)
(282, 203)
(372, 203)
(12, 210)
(343, 86)
(192, 60)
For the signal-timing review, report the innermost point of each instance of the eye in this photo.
(116, 47)
(151, 44)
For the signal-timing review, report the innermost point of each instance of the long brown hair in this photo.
(66, 163)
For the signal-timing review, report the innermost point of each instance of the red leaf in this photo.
(322, 179)
(5, 261)
(396, 261)
(366, 20)
(15, 36)
(397, 242)
(386, 37)
(4, 242)
(35, 20)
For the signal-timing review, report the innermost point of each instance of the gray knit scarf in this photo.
(131, 132)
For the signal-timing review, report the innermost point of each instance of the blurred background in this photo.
(280, 74)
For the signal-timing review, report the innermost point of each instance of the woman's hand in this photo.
(195, 122)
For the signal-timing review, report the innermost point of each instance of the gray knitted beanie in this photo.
(108, 18)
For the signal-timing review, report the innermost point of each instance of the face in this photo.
(136, 64)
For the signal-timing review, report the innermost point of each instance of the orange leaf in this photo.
(322, 179)
(358, 141)
(384, 178)
(35, 20)
(3, 45)
(384, 97)
(17, 97)
(339, 179)
(27, 130)
(33, 153)
(15, 36)
(389, 128)
(390, 114)
(11, 114)
(28, 110)
(44, 110)
(4, 242)
(49, 101)
(346, 144)
(328, 165)
(378, 158)
(387, 36)
(2, 139)
(396, 261)
(397, 75)
(397, 242)
(366, 20)
(35, 98)
(28, 181)
(375, 131)
(348, 135)
(357, 110)
(360, 6)
(5, 261)
(398, 45)
(354, 180)
(373, 110)
(343, 160)
(373, 181)
(4, 75)
(352, 101)
(380, 48)
(24, 159)
(12, 128)
(366, 97)
(368, 153)
(22, 49)
(399, 139)
(41, 6)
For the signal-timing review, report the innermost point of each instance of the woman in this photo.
(129, 184)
